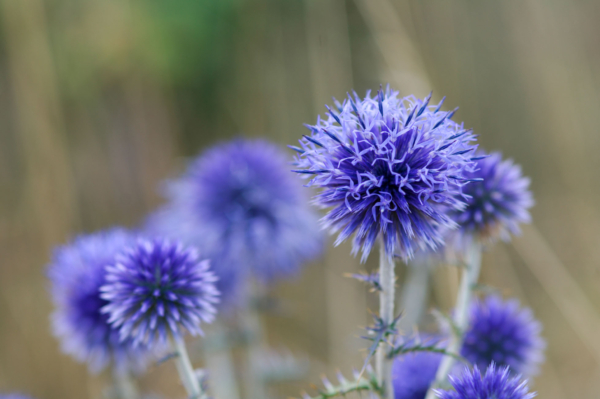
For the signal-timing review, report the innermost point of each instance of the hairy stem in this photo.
(186, 371)
(469, 278)
(387, 279)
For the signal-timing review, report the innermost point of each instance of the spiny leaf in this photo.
(433, 348)
(381, 331)
(345, 387)
(371, 279)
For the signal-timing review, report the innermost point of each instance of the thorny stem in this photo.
(387, 279)
(186, 371)
(469, 278)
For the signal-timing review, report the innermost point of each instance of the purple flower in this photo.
(505, 334)
(388, 167)
(413, 373)
(77, 271)
(495, 384)
(157, 288)
(241, 207)
(498, 202)
(14, 396)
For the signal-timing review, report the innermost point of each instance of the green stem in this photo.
(186, 371)
(469, 279)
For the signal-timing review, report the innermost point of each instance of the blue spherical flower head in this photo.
(241, 207)
(413, 373)
(159, 288)
(498, 202)
(497, 383)
(388, 167)
(503, 333)
(77, 272)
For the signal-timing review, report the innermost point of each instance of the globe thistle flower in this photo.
(501, 332)
(413, 373)
(387, 167)
(77, 272)
(497, 383)
(497, 202)
(241, 207)
(157, 288)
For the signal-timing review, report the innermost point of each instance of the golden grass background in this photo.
(100, 100)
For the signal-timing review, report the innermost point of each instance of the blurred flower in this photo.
(76, 272)
(498, 202)
(158, 288)
(413, 373)
(388, 166)
(241, 207)
(14, 396)
(503, 333)
(495, 384)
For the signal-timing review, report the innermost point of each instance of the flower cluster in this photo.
(156, 289)
(77, 272)
(240, 205)
(389, 167)
(495, 384)
(498, 200)
(393, 169)
(501, 332)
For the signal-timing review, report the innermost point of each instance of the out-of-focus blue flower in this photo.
(498, 202)
(77, 272)
(157, 288)
(413, 373)
(503, 333)
(240, 205)
(14, 396)
(497, 383)
(388, 167)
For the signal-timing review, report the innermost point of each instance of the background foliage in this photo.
(101, 99)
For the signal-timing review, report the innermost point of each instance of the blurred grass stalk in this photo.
(50, 210)
(40, 123)
(560, 285)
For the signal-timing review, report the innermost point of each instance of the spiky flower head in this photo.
(77, 271)
(503, 333)
(497, 383)
(499, 200)
(159, 288)
(413, 373)
(388, 167)
(239, 204)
